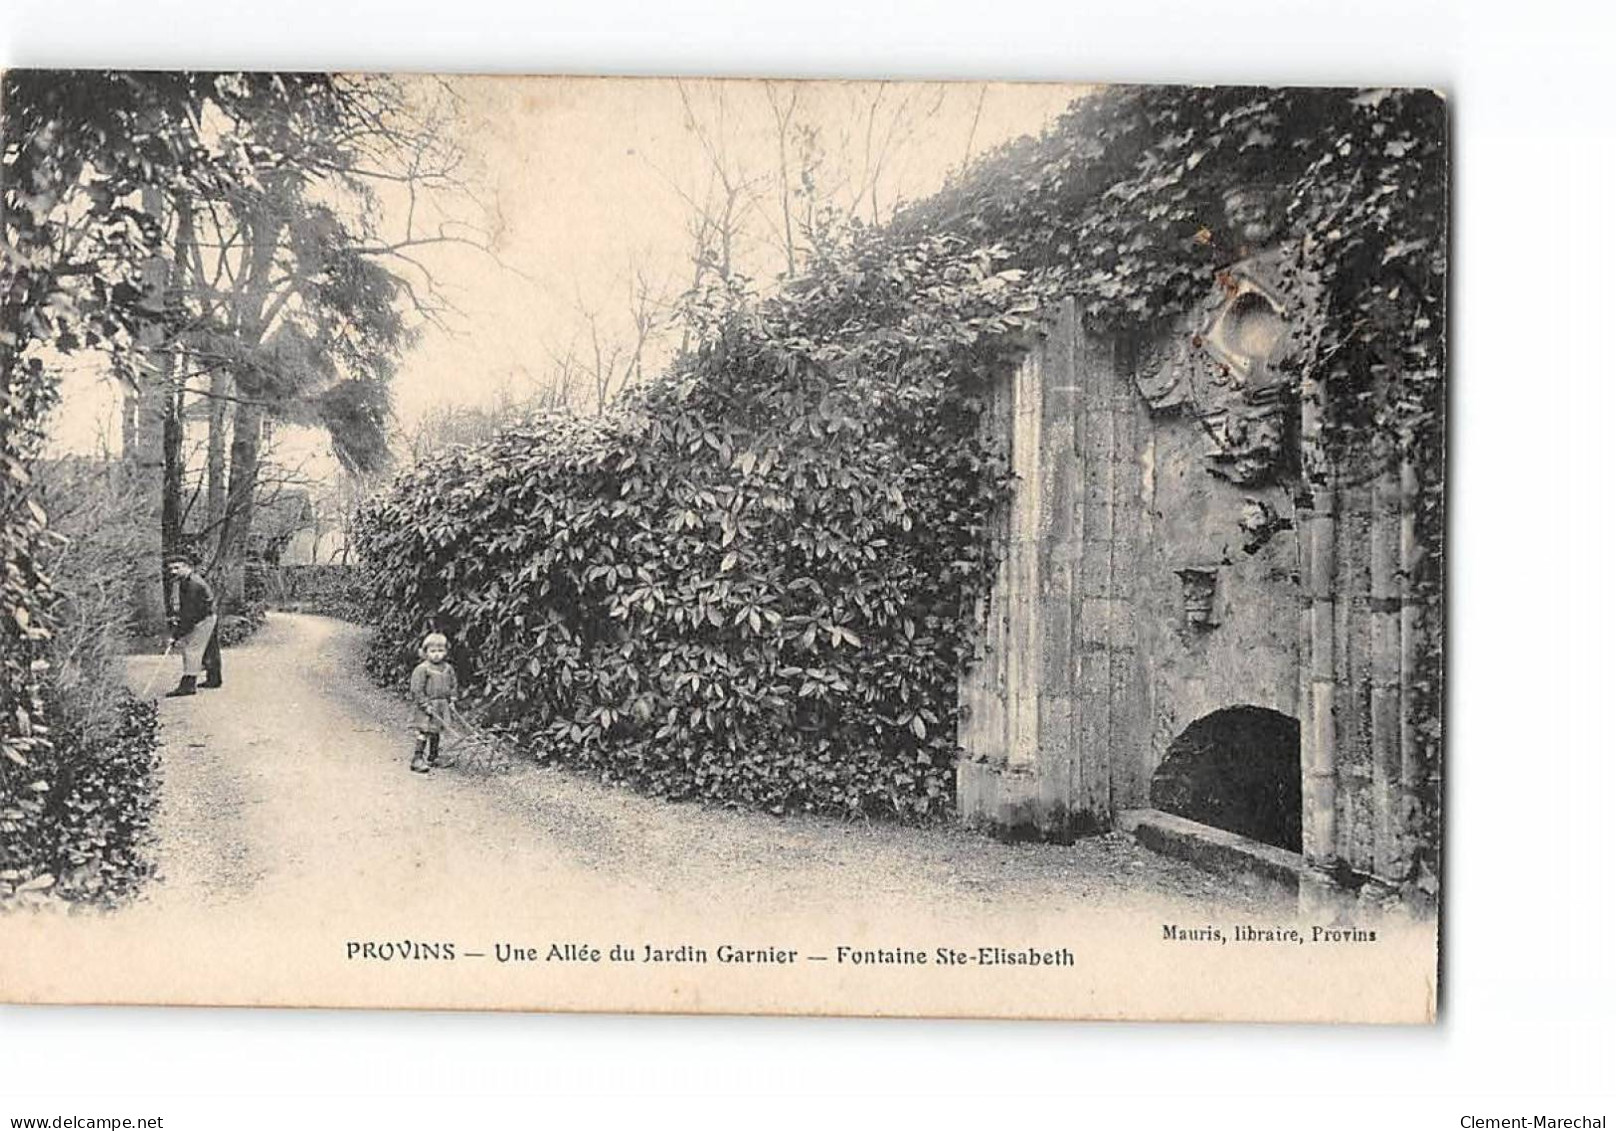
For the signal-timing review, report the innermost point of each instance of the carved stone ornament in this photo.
(1200, 595)
(1236, 363)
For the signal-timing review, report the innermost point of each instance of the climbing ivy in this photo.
(1138, 200)
(751, 582)
(756, 579)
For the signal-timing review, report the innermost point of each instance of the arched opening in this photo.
(1238, 769)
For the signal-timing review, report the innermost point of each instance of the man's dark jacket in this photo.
(195, 603)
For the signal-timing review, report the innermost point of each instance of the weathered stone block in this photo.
(1096, 484)
(1099, 435)
(1055, 645)
(1096, 570)
(1064, 553)
(1094, 623)
(1214, 850)
(1006, 803)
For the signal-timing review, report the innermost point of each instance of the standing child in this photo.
(432, 684)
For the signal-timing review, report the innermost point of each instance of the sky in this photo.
(583, 182)
(578, 186)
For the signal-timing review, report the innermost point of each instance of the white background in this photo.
(1527, 1002)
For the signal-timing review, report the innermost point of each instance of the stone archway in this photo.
(1237, 769)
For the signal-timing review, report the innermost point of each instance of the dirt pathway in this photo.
(291, 782)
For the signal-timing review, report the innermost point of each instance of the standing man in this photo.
(193, 622)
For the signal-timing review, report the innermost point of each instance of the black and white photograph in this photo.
(760, 546)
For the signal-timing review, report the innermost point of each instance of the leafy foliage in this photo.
(97, 138)
(96, 531)
(83, 838)
(755, 581)
(750, 583)
(26, 594)
(756, 607)
(73, 820)
(94, 166)
(80, 148)
(330, 590)
(238, 628)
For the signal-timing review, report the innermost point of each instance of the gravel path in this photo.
(292, 782)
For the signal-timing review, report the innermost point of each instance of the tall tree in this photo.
(298, 304)
(153, 397)
(78, 148)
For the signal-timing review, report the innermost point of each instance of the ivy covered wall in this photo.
(760, 580)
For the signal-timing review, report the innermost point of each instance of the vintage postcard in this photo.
(690, 545)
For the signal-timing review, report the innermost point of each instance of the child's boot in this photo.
(432, 741)
(420, 763)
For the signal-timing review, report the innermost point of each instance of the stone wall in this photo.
(1163, 562)
(1368, 792)
(1087, 669)
(1247, 654)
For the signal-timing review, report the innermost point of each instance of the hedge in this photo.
(85, 838)
(748, 589)
(756, 581)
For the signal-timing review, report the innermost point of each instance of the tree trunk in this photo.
(174, 470)
(174, 393)
(218, 487)
(251, 297)
(240, 502)
(149, 419)
(131, 426)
